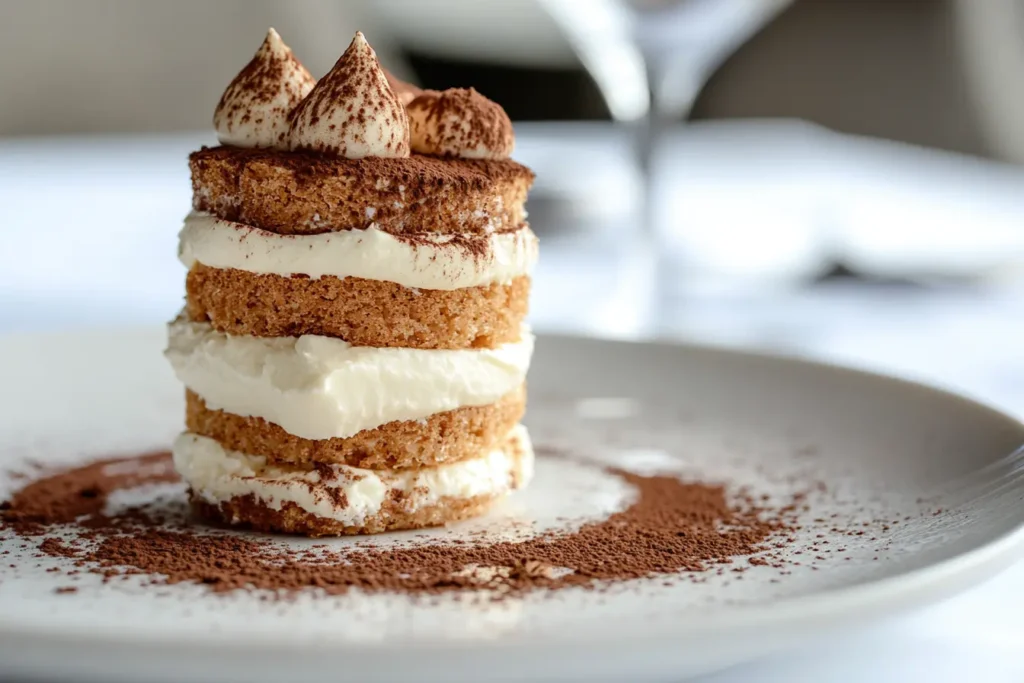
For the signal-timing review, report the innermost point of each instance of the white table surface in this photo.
(89, 228)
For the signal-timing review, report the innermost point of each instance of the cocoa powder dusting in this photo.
(472, 246)
(82, 492)
(328, 193)
(270, 76)
(356, 78)
(673, 528)
(462, 119)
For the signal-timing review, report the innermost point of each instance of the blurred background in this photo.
(835, 178)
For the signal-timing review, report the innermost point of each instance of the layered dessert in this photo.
(352, 345)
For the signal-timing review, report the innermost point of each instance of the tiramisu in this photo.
(353, 345)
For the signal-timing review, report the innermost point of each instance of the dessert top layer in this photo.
(356, 110)
(309, 193)
(357, 149)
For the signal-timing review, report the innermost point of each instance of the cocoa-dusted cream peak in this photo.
(352, 112)
(459, 122)
(253, 111)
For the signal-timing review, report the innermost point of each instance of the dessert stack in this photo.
(352, 344)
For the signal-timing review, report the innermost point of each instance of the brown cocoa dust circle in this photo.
(672, 529)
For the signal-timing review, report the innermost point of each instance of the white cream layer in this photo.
(430, 262)
(320, 387)
(218, 475)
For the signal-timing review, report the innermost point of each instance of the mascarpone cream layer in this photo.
(349, 495)
(427, 261)
(322, 387)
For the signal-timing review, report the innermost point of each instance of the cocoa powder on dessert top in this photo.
(418, 196)
(672, 528)
(484, 124)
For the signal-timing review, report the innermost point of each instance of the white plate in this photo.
(886, 449)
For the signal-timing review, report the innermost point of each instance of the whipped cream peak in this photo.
(459, 122)
(254, 110)
(352, 112)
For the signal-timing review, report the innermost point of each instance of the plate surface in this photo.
(944, 467)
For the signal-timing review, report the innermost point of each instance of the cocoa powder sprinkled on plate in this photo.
(64, 497)
(673, 528)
